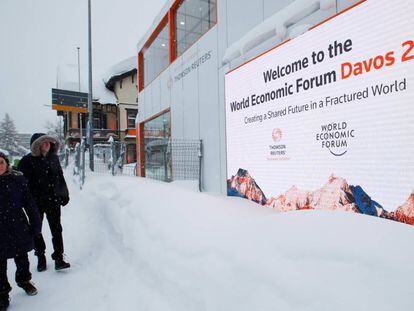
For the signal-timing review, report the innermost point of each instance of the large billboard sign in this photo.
(65, 100)
(326, 120)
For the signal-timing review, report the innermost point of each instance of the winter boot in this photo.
(60, 264)
(41, 262)
(28, 287)
(4, 302)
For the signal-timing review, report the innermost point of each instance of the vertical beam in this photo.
(140, 71)
(172, 35)
(140, 150)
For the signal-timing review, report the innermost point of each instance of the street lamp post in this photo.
(90, 106)
(80, 114)
(82, 149)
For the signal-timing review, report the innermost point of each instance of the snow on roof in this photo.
(120, 68)
(275, 25)
(67, 79)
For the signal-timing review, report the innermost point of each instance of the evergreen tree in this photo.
(8, 135)
(55, 129)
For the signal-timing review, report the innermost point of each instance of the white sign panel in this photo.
(326, 121)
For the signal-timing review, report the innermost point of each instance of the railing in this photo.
(167, 160)
(173, 159)
(97, 133)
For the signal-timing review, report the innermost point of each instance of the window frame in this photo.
(174, 10)
(164, 22)
(140, 140)
(169, 18)
(128, 112)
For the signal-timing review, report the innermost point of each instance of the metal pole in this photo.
(200, 156)
(82, 146)
(66, 137)
(112, 157)
(79, 81)
(80, 114)
(164, 147)
(90, 106)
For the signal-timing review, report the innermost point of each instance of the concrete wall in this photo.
(197, 99)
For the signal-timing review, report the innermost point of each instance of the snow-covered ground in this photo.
(137, 244)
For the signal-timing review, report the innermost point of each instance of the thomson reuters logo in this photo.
(169, 82)
(276, 135)
(277, 151)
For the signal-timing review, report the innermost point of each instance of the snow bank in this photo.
(137, 244)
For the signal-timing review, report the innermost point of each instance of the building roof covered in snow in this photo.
(120, 70)
(67, 79)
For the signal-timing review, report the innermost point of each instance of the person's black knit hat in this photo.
(35, 136)
(2, 155)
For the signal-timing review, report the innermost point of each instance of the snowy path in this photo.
(137, 244)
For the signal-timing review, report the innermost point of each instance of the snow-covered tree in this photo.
(9, 136)
(55, 129)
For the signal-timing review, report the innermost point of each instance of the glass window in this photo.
(193, 18)
(97, 122)
(131, 154)
(157, 147)
(156, 56)
(99, 118)
(131, 114)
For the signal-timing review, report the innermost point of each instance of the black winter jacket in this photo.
(45, 176)
(16, 229)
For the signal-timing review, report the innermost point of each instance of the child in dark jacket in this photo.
(19, 223)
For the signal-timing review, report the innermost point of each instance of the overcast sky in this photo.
(37, 36)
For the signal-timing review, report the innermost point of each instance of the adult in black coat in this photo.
(19, 222)
(48, 187)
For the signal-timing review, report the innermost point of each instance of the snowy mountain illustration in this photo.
(336, 194)
(243, 185)
(293, 199)
(405, 213)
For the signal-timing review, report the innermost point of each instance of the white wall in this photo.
(197, 100)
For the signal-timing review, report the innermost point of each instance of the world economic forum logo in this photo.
(335, 137)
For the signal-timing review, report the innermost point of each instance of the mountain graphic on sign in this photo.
(244, 186)
(336, 194)
(405, 213)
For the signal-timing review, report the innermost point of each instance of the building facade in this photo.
(105, 110)
(122, 80)
(184, 56)
(105, 124)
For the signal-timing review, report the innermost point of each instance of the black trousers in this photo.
(22, 272)
(53, 218)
